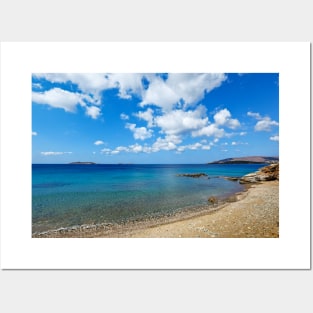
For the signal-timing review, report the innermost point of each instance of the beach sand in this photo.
(253, 214)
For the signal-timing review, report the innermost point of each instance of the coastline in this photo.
(253, 213)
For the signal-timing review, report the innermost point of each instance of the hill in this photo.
(82, 163)
(249, 159)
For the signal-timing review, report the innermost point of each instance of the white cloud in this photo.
(193, 146)
(167, 143)
(59, 98)
(99, 142)
(243, 133)
(223, 118)
(54, 153)
(106, 150)
(146, 116)
(160, 94)
(178, 121)
(236, 143)
(114, 152)
(141, 133)
(93, 112)
(255, 115)
(136, 148)
(206, 147)
(124, 116)
(274, 138)
(210, 130)
(264, 123)
(128, 83)
(192, 87)
(34, 133)
(89, 84)
(36, 86)
(188, 88)
(121, 148)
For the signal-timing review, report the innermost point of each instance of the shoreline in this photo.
(240, 215)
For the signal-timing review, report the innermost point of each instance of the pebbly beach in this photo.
(253, 213)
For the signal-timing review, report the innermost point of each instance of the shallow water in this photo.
(65, 195)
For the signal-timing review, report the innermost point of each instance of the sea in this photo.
(68, 195)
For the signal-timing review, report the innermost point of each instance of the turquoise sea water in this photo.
(65, 195)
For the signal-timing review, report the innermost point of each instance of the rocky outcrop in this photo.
(195, 175)
(266, 173)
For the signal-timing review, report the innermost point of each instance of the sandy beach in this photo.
(251, 214)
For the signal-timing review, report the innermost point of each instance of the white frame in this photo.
(291, 251)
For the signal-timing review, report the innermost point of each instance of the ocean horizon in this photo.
(68, 195)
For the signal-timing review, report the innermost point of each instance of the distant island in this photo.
(82, 163)
(247, 160)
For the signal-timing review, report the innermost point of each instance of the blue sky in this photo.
(153, 118)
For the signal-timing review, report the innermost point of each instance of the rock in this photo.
(266, 173)
(231, 178)
(195, 175)
(212, 200)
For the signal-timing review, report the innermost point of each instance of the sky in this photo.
(153, 118)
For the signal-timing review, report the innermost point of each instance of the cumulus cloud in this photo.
(168, 92)
(164, 144)
(124, 116)
(210, 130)
(54, 153)
(223, 118)
(59, 98)
(66, 100)
(89, 83)
(185, 88)
(264, 123)
(141, 133)
(136, 148)
(34, 133)
(129, 84)
(179, 121)
(160, 94)
(150, 88)
(167, 143)
(192, 87)
(274, 138)
(93, 112)
(36, 86)
(146, 116)
(99, 142)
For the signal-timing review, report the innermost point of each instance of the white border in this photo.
(20, 251)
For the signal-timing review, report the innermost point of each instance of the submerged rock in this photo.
(231, 178)
(194, 175)
(212, 200)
